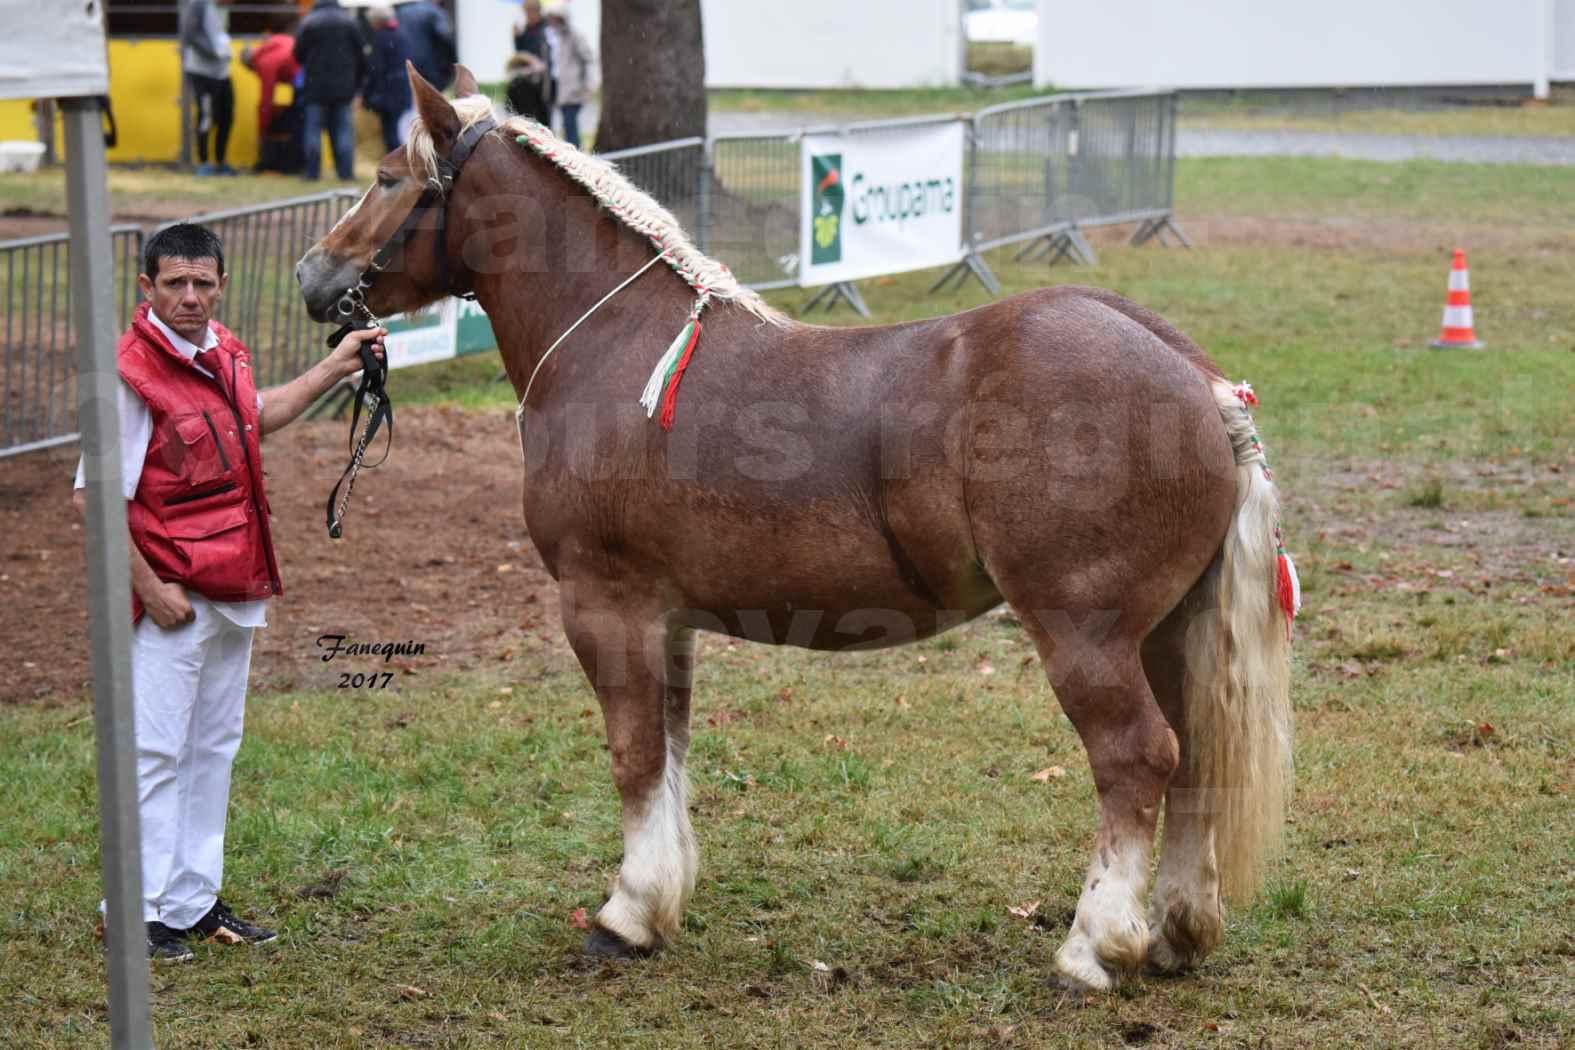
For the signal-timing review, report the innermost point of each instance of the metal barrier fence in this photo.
(38, 355)
(752, 214)
(1037, 172)
(671, 172)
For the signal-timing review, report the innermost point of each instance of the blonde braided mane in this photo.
(621, 198)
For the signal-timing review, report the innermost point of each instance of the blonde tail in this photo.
(1238, 712)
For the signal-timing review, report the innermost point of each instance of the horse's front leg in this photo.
(641, 668)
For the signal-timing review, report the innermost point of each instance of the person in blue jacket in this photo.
(387, 88)
(429, 35)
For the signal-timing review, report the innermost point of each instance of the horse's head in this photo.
(413, 277)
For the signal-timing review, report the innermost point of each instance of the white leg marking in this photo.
(1109, 936)
(659, 864)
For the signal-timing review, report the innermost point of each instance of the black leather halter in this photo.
(356, 314)
(353, 302)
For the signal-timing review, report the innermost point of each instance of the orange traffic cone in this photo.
(1457, 333)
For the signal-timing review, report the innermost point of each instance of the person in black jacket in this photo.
(332, 54)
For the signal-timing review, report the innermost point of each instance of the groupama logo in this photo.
(826, 170)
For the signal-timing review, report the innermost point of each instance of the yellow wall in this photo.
(144, 88)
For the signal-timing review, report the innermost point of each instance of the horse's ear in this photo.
(435, 111)
(464, 83)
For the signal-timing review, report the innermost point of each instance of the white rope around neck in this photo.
(519, 413)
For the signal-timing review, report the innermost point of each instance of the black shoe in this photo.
(164, 944)
(222, 926)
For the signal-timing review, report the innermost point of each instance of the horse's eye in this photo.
(386, 181)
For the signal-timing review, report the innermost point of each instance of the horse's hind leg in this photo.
(1186, 921)
(641, 667)
(1132, 752)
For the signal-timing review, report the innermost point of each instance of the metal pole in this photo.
(186, 101)
(109, 574)
(703, 205)
(45, 119)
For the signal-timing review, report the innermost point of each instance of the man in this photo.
(429, 36)
(387, 90)
(332, 55)
(202, 569)
(205, 59)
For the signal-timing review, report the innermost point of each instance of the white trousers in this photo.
(189, 691)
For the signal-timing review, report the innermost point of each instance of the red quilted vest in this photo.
(199, 516)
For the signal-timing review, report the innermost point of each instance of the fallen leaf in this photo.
(505, 567)
(410, 991)
(1045, 775)
(901, 702)
(578, 920)
(986, 668)
(835, 741)
(1024, 910)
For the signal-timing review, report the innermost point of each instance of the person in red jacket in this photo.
(273, 60)
(203, 568)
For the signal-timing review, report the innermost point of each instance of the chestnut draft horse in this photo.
(1065, 451)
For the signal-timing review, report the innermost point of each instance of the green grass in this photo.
(423, 853)
(423, 850)
(902, 102)
(1332, 113)
(151, 193)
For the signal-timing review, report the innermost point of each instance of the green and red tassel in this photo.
(662, 388)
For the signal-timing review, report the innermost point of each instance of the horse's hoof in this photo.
(602, 943)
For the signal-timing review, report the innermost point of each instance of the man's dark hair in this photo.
(184, 240)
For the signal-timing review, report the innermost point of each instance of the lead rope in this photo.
(519, 413)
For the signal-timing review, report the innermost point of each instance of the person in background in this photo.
(429, 37)
(530, 38)
(273, 60)
(575, 62)
(527, 87)
(205, 59)
(387, 90)
(203, 569)
(332, 55)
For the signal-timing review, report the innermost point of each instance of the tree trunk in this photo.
(653, 73)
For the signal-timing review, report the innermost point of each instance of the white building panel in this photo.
(1276, 43)
(831, 44)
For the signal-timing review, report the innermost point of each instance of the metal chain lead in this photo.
(351, 303)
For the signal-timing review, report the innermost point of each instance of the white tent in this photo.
(58, 51)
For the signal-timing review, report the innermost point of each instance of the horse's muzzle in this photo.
(324, 281)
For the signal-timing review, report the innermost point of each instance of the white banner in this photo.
(426, 335)
(879, 201)
(53, 50)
